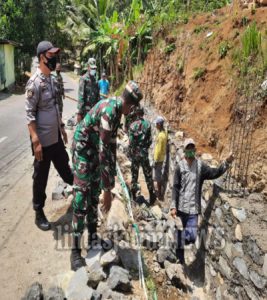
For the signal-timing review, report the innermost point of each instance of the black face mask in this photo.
(51, 63)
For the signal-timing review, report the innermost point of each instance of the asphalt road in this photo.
(14, 136)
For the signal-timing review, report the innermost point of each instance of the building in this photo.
(7, 66)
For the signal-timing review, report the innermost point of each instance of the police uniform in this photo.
(42, 108)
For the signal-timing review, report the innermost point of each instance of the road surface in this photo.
(26, 253)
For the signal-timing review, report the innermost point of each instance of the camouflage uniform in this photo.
(140, 141)
(94, 159)
(129, 120)
(61, 92)
(88, 94)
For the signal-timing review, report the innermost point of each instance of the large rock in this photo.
(109, 258)
(35, 292)
(93, 255)
(96, 274)
(238, 233)
(117, 219)
(241, 266)
(239, 213)
(54, 293)
(225, 269)
(128, 255)
(254, 251)
(237, 250)
(258, 280)
(78, 289)
(119, 279)
(165, 253)
(151, 241)
(175, 273)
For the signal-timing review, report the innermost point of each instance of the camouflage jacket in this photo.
(60, 85)
(140, 137)
(129, 119)
(96, 135)
(88, 93)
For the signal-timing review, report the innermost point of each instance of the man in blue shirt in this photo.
(103, 85)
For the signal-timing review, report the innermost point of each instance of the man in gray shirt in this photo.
(45, 127)
(186, 195)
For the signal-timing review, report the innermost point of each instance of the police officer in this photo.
(46, 129)
(139, 142)
(61, 92)
(94, 163)
(88, 90)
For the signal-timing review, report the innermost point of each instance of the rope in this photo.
(136, 230)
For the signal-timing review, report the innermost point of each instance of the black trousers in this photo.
(59, 156)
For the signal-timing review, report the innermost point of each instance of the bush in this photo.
(251, 41)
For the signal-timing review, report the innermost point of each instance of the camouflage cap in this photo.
(133, 89)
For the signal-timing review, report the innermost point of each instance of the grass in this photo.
(199, 29)
(251, 41)
(170, 48)
(224, 47)
(199, 73)
(180, 65)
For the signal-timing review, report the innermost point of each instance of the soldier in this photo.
(140, 140)
(94, 163)
(88, 90)
(129, 120)
(46, 128)
(61, 92)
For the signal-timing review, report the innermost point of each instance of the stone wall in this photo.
(235, 265)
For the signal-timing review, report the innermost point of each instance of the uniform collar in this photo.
(42, 75)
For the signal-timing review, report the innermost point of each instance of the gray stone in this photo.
(119, 279)
(254, 251)
(151, 241)
(96, 274)
(54, 293)
(264, 267)
(224, 268)
(57, 193)
(175, 273)
(259, 186)
(117, 217)
(226, 206)
(228, 249)
(149, 228)
(35, 292)
(213, 273)
(104, 290)
(238, 233)
(78, 289)
(258, 280)
(237, 250)
(218, 213)
(239, 213)
(109, 258)
(128, 255)
(250, 294)
(94, 255)
(165, 253)
(241, 266)
(96, 295)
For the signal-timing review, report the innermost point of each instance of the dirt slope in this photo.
(203, 107)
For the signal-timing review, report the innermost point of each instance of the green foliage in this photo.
(170, 48)
(199, 73)
(224, 47)
(251, 41)
(199, 29)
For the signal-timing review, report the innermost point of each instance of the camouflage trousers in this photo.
(142, 161)
(60, 105)
(86, 190)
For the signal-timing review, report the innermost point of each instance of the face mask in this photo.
(92, 72)
(58, 72)
(190, 153)
(51, 63)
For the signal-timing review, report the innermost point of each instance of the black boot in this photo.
(76, 259)
(41, 220)
(95, 241)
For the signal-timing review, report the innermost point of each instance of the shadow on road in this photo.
(62, 226)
